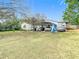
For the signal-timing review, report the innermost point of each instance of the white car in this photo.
(61, 27)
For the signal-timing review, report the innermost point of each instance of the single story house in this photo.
(37, 27)
(43, 26)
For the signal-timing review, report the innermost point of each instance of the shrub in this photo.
(10, 25)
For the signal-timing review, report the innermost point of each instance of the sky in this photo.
(53, 9)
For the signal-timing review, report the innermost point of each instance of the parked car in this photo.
(61, 27)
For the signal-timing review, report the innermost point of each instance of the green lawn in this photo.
(39, 45)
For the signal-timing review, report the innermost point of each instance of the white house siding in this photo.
(26, 26)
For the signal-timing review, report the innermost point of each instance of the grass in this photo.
(39, 45)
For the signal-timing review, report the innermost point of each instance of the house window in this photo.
(48, 26)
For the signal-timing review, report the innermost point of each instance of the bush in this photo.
(10, 25)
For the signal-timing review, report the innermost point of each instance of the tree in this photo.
(9, 12)
(71, 13)
(10, 25)
(12, 8)
(36, 19)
